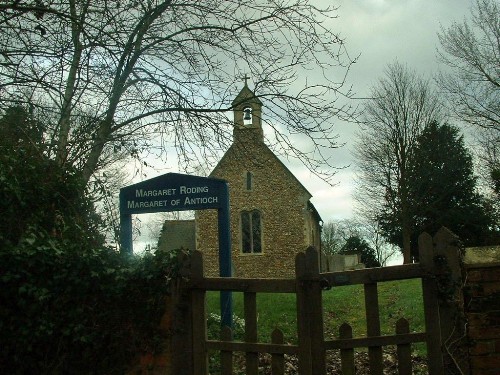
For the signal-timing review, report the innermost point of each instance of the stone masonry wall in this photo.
(281, 200)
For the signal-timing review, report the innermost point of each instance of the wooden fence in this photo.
(437, 258)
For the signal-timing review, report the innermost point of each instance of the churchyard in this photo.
(432, 317)
(341, 305)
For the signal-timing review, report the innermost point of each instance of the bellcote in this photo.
(247, 110)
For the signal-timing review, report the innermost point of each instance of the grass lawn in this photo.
(341, 304)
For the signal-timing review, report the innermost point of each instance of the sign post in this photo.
(178, 192)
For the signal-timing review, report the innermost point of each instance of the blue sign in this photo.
(179, 192)
(173, 192)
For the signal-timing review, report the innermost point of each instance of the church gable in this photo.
(268, 217)
(270, 209)
(256, 164)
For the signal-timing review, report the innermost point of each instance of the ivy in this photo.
(79, 311)
(68, 304)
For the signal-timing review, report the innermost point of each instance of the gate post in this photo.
(310, 314)
(443, 301)
(198, 318)
(303, 320)
(451, 306)
(431, 306)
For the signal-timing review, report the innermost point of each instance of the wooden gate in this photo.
(311, 348)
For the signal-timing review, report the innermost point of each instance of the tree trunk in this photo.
(97, 147)
(64, 123)
(406, 243)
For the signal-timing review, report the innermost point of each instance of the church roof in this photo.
(245, 95)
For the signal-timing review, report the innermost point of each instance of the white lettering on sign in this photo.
(139, 193)
(200, 200)
(161, 200)
(188, 201)
(147, 204)
(193, 190)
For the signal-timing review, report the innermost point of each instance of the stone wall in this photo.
(288, 226)
(482, 309)
(340, 262)
(176, 234)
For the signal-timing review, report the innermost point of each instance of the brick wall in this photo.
(175, 357)
(482, 310)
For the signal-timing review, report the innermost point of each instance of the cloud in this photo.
(381, 31)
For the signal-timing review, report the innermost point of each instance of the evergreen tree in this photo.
(401, 104)
(443, 190)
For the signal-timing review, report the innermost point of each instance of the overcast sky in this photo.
(382, 31)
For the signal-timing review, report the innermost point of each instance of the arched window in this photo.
(251, 232)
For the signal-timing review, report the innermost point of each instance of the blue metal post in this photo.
(126, 244)
(226, 298)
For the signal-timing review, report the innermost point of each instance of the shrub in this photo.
(70, 310)
(68, 304)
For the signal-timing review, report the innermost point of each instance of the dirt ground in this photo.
(334, 366)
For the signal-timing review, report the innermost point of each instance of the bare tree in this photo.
(471, 49)
(384, 250)
(329, 243)
(400, 106)
(488, 166)
(129, 76)
(335, 233)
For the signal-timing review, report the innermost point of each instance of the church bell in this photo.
(247, 115)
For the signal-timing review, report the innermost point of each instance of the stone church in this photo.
(272, 217)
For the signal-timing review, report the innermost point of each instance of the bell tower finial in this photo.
(246, 78)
